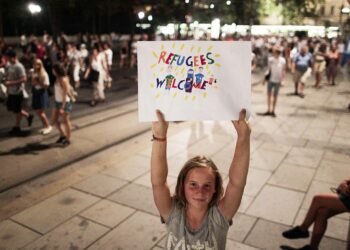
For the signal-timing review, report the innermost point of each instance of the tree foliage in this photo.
(294, 11)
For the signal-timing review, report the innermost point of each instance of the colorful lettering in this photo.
(169, 57)
(160, 83)
(203, 62)
(161, 57)
(191, 62)
(195, 60)
(210, 60)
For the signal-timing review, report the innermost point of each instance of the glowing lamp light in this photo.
(34, 8)
(141, 14)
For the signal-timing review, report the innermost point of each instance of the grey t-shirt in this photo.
(211, 235)
(15, 72)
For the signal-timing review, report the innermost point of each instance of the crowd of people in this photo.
(63, 64)
(90, 58)
(302, 57)
(41, 67)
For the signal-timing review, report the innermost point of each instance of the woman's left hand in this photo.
(242, 126)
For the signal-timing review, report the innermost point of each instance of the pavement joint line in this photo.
(250, 230)
(84, 156)
(93, 221)
(24, 225)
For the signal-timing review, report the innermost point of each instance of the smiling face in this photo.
(199, 187)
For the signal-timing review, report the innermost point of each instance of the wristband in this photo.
(158, 139)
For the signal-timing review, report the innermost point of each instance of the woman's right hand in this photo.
(160, 127)
(344, 188)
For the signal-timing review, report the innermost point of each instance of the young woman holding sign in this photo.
(200, 212)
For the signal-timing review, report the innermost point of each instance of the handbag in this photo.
(267, 75)
(93, 75)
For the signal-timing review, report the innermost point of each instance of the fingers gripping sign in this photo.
(160, 127)
(242, 125)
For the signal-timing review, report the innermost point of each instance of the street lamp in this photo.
(187, 1)
(212, 6)
(141, 15)
(34, 8)
(150, 18)
(228, 2)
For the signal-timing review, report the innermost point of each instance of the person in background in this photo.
(15, 79)
(301, 69)
(40, 98)
(319, 64)
(63, 105)
(277, 70)
(323, 207)
(94, 74)
(109, 55)
(333, 64)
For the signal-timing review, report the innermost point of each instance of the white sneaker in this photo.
(47, 130)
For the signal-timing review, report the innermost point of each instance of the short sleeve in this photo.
(295, 57)
(20, 71)
(46, 80)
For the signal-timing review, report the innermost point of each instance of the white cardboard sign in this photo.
(193, 80)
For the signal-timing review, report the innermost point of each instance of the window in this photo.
(332, 10)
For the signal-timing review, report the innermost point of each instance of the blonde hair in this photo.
(42, 72)
(198, 162)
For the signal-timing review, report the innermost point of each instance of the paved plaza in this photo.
(103, 199)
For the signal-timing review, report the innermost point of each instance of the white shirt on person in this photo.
(109, 54)
(59, 93)
(276, 65)
(46, 81)
(96, 63)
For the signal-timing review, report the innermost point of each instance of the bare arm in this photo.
(283, 73)
(64, 85)
(238, 171)
(159, 168)
(16, 82)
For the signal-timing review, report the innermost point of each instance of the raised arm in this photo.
(159, 167)
(238, 171)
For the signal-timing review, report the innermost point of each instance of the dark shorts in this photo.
(14, 103)
(67, 109)
(273, 86)
(40, 99)
(345, 200)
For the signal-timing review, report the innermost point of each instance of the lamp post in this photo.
(34, 9)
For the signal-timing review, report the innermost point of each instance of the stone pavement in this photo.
(105, 201)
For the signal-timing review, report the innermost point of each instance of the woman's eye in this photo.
(192, 184)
